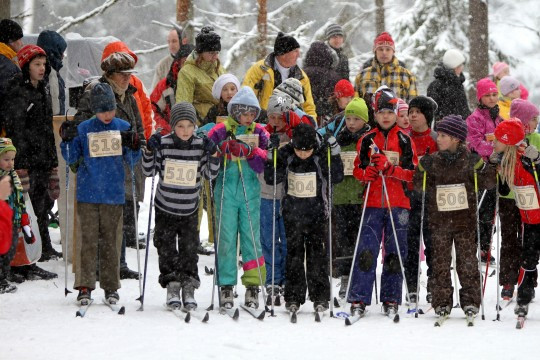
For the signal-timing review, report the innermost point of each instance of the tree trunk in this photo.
(184, 13)
(262, 28)
(478, 45)
(5, 9)
(379, 16)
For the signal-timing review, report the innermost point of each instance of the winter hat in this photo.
(221, 82)
(185, 50)
(207, 40)
(498, 68)
(485, 86)
(293, 88)
(6, 145)
(357, 107)
(453, 58)
(384, 39)
(304, 137)
(453, 125)
(508, 84)
(402, 106)
(182, 111)
(510, 132)
(384, 99)
(244, 101)
(54, 45)
(10, 31)
(118, 47)
(524, 110)
(27, 53)
(279, 103)
(102, 98)
(118, 62)
(343, 88)
(284, 44)
(426, 105)
(333, 30)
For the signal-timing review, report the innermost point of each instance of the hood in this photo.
(441, 72)
(117, 47)
(320, 55)
(54, 45)
(245, 96)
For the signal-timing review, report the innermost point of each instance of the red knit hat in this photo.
(510, 132)
(485, 86)
(28, 52)
(343, 88)
(384, 39)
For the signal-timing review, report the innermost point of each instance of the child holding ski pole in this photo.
(180, 158)
(98, 148)
(450, 176)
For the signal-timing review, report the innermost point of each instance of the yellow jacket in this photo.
(504, 107)
(195, 82)
(260, 77)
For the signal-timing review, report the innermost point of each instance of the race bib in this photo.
(392, 156)
(220, 119)
(180, 172)
(105, 143)
(452, 197)
(302, 185)
(347, 157)
(490, 137)
(526, 198)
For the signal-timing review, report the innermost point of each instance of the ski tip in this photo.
(396, 318)
(421, 312)
(236, 314)
(336, 302)
(261, 316)
(348, 322)
(210, 308)
(317, 317)
(206, 318)
(122, 310)
(66, 292)
(188, 317)
(293, 317)
(78, 314)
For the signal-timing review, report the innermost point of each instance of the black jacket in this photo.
(448, 91)
(342, 68)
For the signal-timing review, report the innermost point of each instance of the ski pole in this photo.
(498, 221)
(135, 220)
(141, 299)
(455, 275)
(482, 198)
(478, 242)
(251, 229)
(274, 229)
(330, 232)
(535, 176)
(66, 291)
(421, 240)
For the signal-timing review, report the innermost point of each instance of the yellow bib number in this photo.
(302, 185)
(452, 197)
(180, 172)
(526, 198)
(348, 161)
(392, 156)
(105, 143)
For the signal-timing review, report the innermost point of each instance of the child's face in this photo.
(403, 119)
(498, 146)
(447, 142)
(386, 118)
(246, 118)
(344, 101)
(490, 100)
(37, 68)
(516, 94)
(106, 117)
(418, 120)
(276, 120)
(184, 129)
(7, 160)
(353, 123)
(303, 154)
(532, 125)
(228, 91)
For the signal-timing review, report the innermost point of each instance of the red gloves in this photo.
(381, 162)
(371, 173)
(235, 147)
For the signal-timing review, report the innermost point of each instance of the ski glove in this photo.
(274, 141)
(239, 148)
(381, 162)
(68, 130)
(531, 152)
(209, 146)
(130, 139)
(154, 142)
(371, 173)
(332, 143)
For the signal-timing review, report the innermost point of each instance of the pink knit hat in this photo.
(524, 110)
(498, 67)
(485, 86)
(402, 106)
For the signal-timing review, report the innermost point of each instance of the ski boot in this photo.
(15, 277)
(6, 287)
(390, 308)
(443, 310)
(292, 306)
(521, 310)
(50, 254)
(429, 297)
(173, 294)
(34, 272)
(252, 297)
(507, 292)
(412, 298)
(188, 297)
(111, 296)
(85, 294)
(227, 297)
(343, 286)
(127, 273)
(358, 309)
(320, 306)
(484, 259)
(277, 295)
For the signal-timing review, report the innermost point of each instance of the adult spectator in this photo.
(55, 46)
(386, 70)
(267, 74)
(335, 38)
(163, 66)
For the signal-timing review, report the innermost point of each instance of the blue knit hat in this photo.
(102, 98)
(243, 101)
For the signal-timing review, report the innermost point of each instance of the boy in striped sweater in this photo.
(180, 158)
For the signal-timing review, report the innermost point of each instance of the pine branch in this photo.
(70, 21)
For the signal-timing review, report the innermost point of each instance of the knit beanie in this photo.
(524, 110)
(384, 99)
(279, 103)
(27, 53)
(293, 88)
(10, 31)
(358, 108)
(284, 44)
(182, 111)
(304, 137)
(508, 84)
(498, 68)
(426, 105)
(453, 58)
(333, 30)
(343, 88)
(485, 86)
(242, 102)
(221, 82)
(102, 98)
(384, 39)
(453, 125)
(207, 40)
(510, 132)
(402, 106)
(6, 145)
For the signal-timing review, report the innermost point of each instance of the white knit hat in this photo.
(453, 58)
(221, 82)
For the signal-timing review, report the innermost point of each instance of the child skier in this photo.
(98, 147)
(243, 143)
(302, 165)
(223, 90)
(393, 164)
(450, 189)
(403, 116)
(181, 160)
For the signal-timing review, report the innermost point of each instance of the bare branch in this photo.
(221, 27)
(70, 21)
(148, 51)
(283, 7)
(159, 23)
(224, 16)
(142, 5)
(23, 14)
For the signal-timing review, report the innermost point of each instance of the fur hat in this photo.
(207, 40)
(453, 125)
(182, 111)
(293, 88)
(358, 108)
(304, 137)
(279, 103)
(102, 98)
(10, 31)
(508, 84)
(243, 101)
(333, 30)
(118, 62)
(221, 82)
(485, 86)
(510, 132)
(284, 44)
(343, 88)
(453, 58)
(384, 39)
(6, 145)
(426, 105)
(28, 52)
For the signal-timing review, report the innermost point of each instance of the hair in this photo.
(508, 165)
(199, 60)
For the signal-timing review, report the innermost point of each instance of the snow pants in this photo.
(529, 260)
(176, 239)
(486, 215)
(376, 222)
(466, 266)
(280, 242)
(39, 195)
(510, 260)
(235, 226)
(346, 223)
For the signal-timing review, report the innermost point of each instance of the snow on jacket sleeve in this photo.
(476, 137)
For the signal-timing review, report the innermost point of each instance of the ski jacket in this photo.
(6, 230)
(162, 99)
(480, 124)
(214, 112)
(448, 92)
(425, 142)
(342, 67)
(55, 46)
(392, 142)
(334, 126)
(16, 199)
(504, 107)
(162, 68)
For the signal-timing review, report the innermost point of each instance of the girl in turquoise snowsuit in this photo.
(240, 138)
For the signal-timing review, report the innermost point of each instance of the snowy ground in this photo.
(38, 322)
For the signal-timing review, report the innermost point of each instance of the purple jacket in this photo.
(479, 123)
